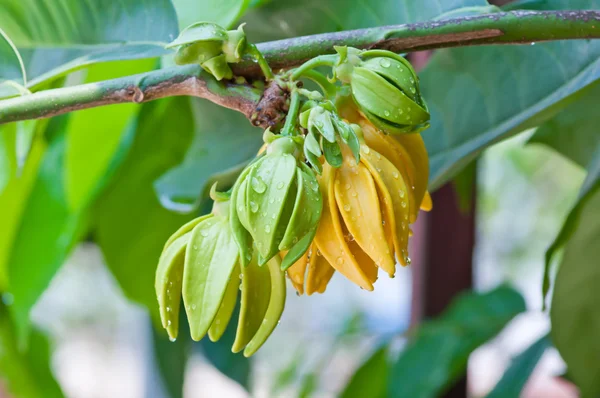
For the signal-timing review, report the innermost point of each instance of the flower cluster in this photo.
(336, 188)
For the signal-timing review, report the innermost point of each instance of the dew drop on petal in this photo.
(395, 174)
(280, 185)
(347, 207)
(340, 260)
(169, 323)
(354, 194)
(267, 229)
(385, 63)
(386, 113)
(401, 193)
(403, 203)
(258, 184)
(253, 207)
(204, 233)
(172, 339)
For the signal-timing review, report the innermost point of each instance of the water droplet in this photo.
(383, 222)
(395, 175)
(347, 207)
(340, 260)
(195, 247)
(295, 240)
(354, 194)
(348, 186)
(258, 184)
(271, 201)
(412, 80)
(406, 216)
(240, 208)
(241, 276)
(385, 63)
(401, 193)
(400, 111)
(168, 309)
(169, 323)
(337, 181)
(273, 216)
(413, 90)
(403, 225)
(386, 113)
(315, 186)
(204, 233)
(403, 203)
(318, 252)
(280, 185)
(267, 229)
(253, 207)
(408, 260)
(172, 339)
(366, 149)
(193, 307)
(378, 156)
(533, 43)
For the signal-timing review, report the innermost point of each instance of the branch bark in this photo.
(515, 27)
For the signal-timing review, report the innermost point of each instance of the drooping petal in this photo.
(219, 324)
(274, 310)
(256, 291)
(329, 237)
(184, 229)
(357, 199)
(210, 258)
(395, 194)
(237, 206)
(169, 275)
(319, 272)
(366, 263)
(416, 151)
(297, 271)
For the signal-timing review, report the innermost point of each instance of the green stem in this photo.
(322, 60)
(262, 62)
(328, 88)
(291, 120)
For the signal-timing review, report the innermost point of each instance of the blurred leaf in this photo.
(465, 184)
(497, 95)
(438, 352)
(221, 12)
(25, 374)
(94, 137)
(574, 312)
(235, 366)
(575, 131)
(289, 18)
(515, 377)
(171, 358)
(308, 385)
(12, 70)
(131, 226)
(46, 231)
(223, 141)
(287, 375)
(371, 378)
(57, 36)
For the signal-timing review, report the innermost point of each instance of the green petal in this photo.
(320, 120)
(217, 328)
(396, 72)
(274, 310)
(266, 205)
(378, 96)
(168, 283)
(241, 235)
(218, 67)
(211, 255)
(256, 292)
(333, 153)
(185, 229)
(298, 250)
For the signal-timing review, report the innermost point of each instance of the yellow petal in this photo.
(319, 272)
(427, 203)
(364, 261)
(358, 202)
(297, 271)
(330, 239)
(414, 147)
(394, 152)
(395, 193)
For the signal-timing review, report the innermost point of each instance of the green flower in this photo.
(200, 263)
(276, 204)
(211, 46)
(385, 87)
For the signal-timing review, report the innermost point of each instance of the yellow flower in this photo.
(367, 211)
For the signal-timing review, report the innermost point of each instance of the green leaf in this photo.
(514, 379)
(95, 137)
(574, 132)
(574, 312)
(221, 12)
(58, 36)
(25, 373)
(131, 226)
(223, 141)
(12, 70)
(496, 94)
(288, 18)
(371, 378)
(46, 232)
(438, 352)
(171, 359)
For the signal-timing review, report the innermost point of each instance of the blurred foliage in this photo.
(121, 175)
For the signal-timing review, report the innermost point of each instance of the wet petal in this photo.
(297, 272)
(319, 272)
(219, 324)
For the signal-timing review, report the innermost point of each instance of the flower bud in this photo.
(276, 203)
(386, 88)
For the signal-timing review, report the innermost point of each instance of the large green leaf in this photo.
(25, 373)
(45, 233)
(371, 378)
(478, 96)
(12, 70)
(438, 352)
(221, 12)
(289, 18)
(56, 36)
(224, 141)
(575, 131)
(574, 313)
(95, 135)
(514, 379)
(131, 226)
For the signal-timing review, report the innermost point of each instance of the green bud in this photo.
(235, 45)
(277, 202)
(218, 67)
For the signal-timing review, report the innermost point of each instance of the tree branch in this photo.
(516, 27)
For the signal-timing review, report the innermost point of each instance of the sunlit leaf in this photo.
(57, 36)
(221, 12)
(438, 352)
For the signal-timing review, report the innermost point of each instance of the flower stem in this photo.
(321, 60)
(329, 89)
(291, 119)
(262, 62)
